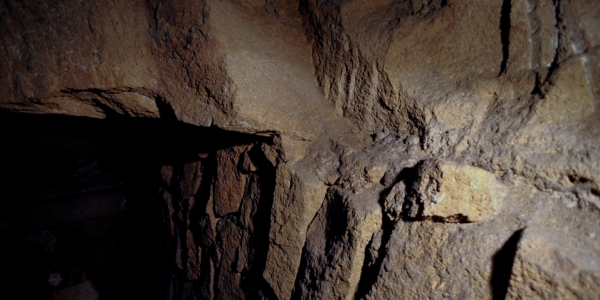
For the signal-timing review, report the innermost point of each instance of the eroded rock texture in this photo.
(397, 149)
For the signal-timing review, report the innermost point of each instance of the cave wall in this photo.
(401, 149)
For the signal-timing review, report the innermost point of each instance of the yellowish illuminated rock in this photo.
(452, 193)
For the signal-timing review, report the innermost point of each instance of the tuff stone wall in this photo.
(401, 148)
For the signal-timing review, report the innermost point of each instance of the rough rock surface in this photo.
(446, 192)
(235, 65)
(399, 148)
(296, 202)
(545, 270)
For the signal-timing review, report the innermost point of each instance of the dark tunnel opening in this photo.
(79, 206)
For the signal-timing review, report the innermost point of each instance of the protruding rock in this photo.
(375, 173)
(452, 193)
(394, 200)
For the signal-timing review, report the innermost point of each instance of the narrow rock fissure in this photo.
(296, 292)
(559, 33)
(502, 263)
(255, 286)
(543, 78)
(373, 264)
(302, 267)
(505, 33)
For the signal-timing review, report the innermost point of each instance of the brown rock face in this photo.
(360, 149)
(241, 67)
(230, 182)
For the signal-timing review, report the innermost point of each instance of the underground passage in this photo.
(300, 149)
